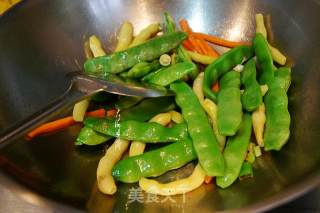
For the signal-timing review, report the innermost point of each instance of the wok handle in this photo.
(70, 97)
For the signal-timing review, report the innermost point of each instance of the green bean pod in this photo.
(200, 131)
(175, 72)
(252, 97)
(282, 77)
(235, 153)
(155, 162)
(229, 114)
(141, 69)
(261, 49)
(90, 137)
(143, 111)
(148, 51)
(277, 129)
(147, 132)
(223, 64)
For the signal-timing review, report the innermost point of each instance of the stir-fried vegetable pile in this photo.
(217, 107)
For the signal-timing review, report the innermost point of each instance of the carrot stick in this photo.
(62, 123)
(208, 179)
(111, 112)
(100, 113)
(201, 47)
(185, 26)
(187, 45)
(220, 41)
(195, 45)
(215, 87)
(210, 50)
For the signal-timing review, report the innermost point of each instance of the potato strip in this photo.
(145, 34)
(138, 147)
(176, 187)
(106, 183)
(124, 37)
(276, 54)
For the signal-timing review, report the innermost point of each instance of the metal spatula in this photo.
(81, 87)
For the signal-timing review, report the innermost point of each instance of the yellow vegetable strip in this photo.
(176, 187)
(264, 89)
(260, 28)
(106, 183)
(176, 117)
(138, 147)
(202, 59)
(79, 110)
(87, 50)
(197, 87)
(276, 54)
(96, 46)
(211, 109)
(125, 36)
(258, 122)
(145, 34)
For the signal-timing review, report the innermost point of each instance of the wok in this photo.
(40, 41)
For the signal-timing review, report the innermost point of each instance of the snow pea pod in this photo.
(138, 131)
(229, 114)
(235, 152)
(141, 69)
(155, 162)
(148, 51)
(175, 72)
(200, 131)
(277, 130)
(143, 111)
(223, 64)
(261, 49)
(252, 97)
(90, 137)
(282, 77)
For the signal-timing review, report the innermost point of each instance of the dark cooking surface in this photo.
(42, 40)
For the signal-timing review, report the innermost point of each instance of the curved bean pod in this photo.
(204, 140)
(222, 65)
(264, 58)
(235, 152)
(252, 97)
